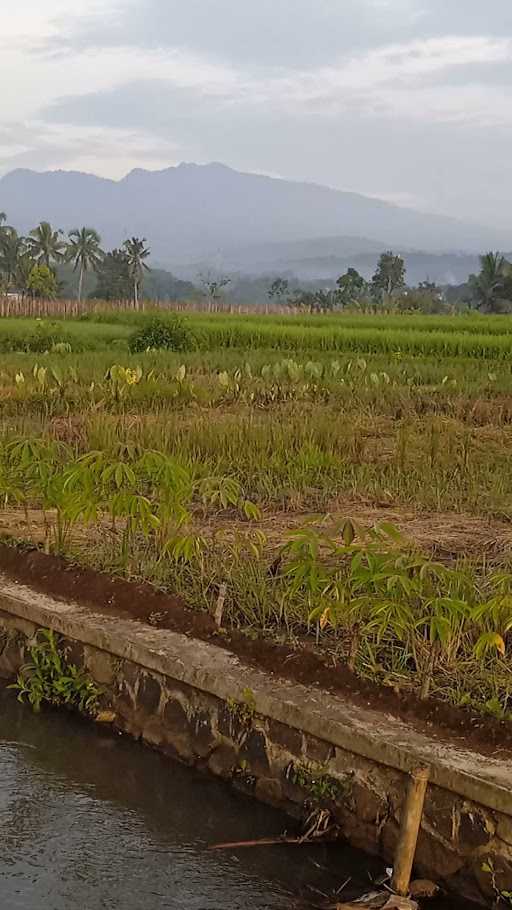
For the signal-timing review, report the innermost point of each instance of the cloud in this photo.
(406, 81)
(269, 33)
(280, 33)
(404, 98)
(394, 72)
(96, 149)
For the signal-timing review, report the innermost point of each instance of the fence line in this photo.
(29, 307)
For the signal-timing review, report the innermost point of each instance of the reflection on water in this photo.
(89, 821)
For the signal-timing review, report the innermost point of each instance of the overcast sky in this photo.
(408, 100)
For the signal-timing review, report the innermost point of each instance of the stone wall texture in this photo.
(281, 763)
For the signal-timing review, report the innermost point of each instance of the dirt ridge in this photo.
(111, 596)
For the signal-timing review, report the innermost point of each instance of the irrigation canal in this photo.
(88, 820)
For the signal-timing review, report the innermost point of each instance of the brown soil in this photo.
(115, 597)
(447, 535)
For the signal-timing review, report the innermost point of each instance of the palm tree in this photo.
(3, 226)
(489, 285)
(136, 253)
(12, 248)
(85, 252)
(46, 245)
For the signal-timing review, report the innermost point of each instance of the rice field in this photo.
(485, 337)
(462, 336)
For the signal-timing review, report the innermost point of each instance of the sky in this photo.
(406, 100)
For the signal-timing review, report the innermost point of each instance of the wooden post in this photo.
(412, 813)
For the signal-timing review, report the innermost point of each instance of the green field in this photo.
(486, 337)
(251, 449)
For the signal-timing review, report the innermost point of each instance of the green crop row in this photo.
(389, 335)
(480, 338)
(475, 324)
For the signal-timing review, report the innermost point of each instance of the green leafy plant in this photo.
(120, 379)
(243, 711)
(171, 334)
(50, 679)
(316, 781)
(503, 896)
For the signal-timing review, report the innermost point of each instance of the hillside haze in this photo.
(211, 213)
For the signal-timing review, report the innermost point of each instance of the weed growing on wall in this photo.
(316, 781)
(50, 679)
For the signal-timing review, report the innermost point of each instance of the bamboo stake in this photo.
(409, 830)
(219, 609)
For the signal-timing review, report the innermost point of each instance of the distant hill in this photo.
(443, 268)
(211, 213)
(296, 256)
(326, 259)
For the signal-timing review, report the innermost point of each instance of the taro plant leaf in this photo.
(57, 375)
(348, 533)
(293, 370)
(314, 370)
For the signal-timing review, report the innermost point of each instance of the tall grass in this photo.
(308, 457)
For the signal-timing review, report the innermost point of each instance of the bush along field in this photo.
(341, 484)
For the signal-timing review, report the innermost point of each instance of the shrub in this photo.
(173, 334)
(42, 282)
(46, 337)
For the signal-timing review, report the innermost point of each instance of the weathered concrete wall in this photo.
(290, 746)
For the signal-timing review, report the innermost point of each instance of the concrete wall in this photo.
(290, 746)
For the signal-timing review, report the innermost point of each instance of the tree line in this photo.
(489, 291)
(28, 265)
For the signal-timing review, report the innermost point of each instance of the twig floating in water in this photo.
(264, 842)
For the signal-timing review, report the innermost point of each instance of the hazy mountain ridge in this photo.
(213, 214)
(443, 268)
(285, 260)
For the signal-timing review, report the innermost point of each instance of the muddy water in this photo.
(89, 821)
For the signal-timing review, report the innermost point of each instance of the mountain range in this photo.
(198, 216)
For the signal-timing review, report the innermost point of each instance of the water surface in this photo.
(89, 821)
